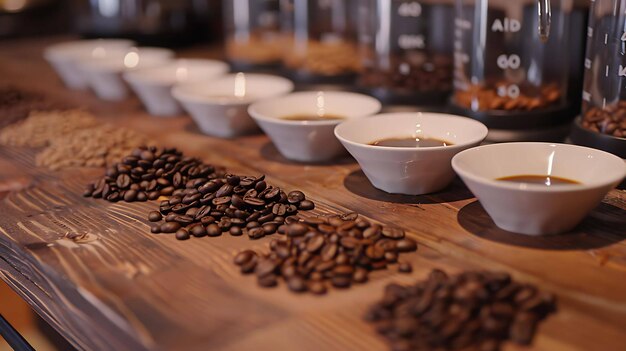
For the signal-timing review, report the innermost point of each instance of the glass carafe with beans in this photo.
(516, 64)
(406, 50)
(603, 119)
(252, 33)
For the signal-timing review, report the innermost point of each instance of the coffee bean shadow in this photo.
(271, 153)
(357, 183)
(604, 226)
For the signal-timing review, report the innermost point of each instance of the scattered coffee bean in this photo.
(170, 227)
(472, 310)
(323, 250)
(154, 216)
(268, 281)
(405, 267)
(182, 234)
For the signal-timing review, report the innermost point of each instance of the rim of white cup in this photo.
(255, 114)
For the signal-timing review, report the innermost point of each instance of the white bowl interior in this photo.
(125, 58)
(179, 71)
(588, 166)
(343, 104)
(453, 129)
(222, 90)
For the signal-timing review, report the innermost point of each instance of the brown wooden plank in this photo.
(124, 288)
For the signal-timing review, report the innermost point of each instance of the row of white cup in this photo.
(230, 105)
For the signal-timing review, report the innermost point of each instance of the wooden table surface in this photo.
(123, 288)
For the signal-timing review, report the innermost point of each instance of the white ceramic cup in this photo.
(104, 73)
(537, 209)
(154, 85)
(310, 141)
(220, 106)
(63, 57)
(409, 170)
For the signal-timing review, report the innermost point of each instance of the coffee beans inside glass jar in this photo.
(610, 121)
(413, 72)
(316, 253)
(468, 311)
(150, 172)
(233, 204)
(324, 58)
(501, 96)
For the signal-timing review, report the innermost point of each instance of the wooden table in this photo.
(126, 289)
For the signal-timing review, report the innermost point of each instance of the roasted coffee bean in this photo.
(406, 245)
(170, 227)
(296, 284)
(256, 233)
(198, 231)
(253, 201)
(317, 288)
(297, 229)
(405, 267)
(360, 275)
(295, 197)
(393, 233)
(269, 228)
(182, 234)
(235, 231)
(306, 205)
(244, 257)
(340, 281)
(154, 216)
(462, 312)
(268, 281)
(213, 230)
(155, 229)
(315, 243)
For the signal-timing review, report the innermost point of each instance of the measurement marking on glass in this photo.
(606, 38)
(603, 103)
(606, 71)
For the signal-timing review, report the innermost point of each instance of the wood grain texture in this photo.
(93, 270)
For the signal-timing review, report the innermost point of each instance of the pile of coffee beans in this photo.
(484, 98)
(325, 58)
(16, 104)
(413, 72)
(98, 146)
(315, 253)
(611, 121)
(472, 310)
(150, 172)
(231, 204)
(41, 127)
(258, 48)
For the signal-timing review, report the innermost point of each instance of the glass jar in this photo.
(252, 33)
(149, 22)
(323, 46)
(603, 120)
(513, 66)
(406, 50)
